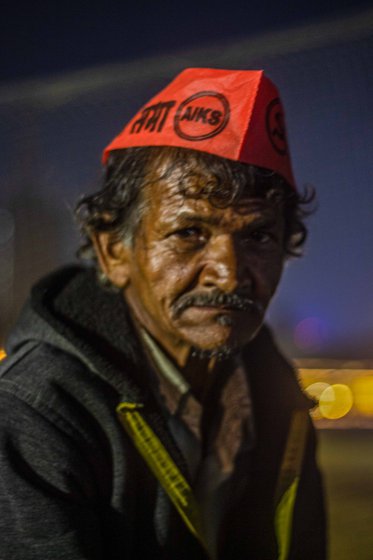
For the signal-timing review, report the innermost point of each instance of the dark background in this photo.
(43, 38)
(72, 73)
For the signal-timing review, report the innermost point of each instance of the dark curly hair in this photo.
(119, 205)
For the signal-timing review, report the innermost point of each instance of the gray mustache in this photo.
(215, 298)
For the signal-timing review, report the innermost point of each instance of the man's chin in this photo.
(219, 349)
(220, 352)
(220, 342)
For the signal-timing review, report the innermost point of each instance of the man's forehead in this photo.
(167, 163)
(168, 177)
(172, 177)
(168, 201)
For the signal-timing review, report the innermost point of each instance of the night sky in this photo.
(43, 38)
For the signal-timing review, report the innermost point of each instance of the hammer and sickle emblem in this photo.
(276, 126)
(279, 129)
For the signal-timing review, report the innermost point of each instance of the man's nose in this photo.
(224, 267)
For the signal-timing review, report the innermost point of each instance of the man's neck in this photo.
(200, 374)
(198, 371)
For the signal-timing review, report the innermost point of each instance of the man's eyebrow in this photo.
(261, 219)
(196, 218)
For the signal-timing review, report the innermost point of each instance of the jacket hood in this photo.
(69, 310)
(70, 306)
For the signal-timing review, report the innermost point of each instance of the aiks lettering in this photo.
(201, 114)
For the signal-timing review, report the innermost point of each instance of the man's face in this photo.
(201, 276)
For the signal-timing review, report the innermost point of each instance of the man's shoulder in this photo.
(51, 398)
(38, 363)
(40, 374)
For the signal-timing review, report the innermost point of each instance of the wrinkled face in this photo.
(201, 276)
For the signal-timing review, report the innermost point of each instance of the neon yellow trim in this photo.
(161, 464)
(288, 480)
(126, 406)
(284, 519)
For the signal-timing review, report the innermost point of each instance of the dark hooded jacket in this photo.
(72, 484)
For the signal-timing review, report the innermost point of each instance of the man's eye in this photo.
(189, 233)
(261, 236)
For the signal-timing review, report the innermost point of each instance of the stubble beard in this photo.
(220, 353)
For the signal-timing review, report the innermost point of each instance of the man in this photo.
(146, 411)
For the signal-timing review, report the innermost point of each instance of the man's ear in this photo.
(113, 258)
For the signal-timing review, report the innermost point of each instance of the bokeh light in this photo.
(335, 401)
(310, 334)
(2, 354)
(344, 390)
(363, 392)
(315, 390)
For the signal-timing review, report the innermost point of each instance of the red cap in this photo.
(235, 114)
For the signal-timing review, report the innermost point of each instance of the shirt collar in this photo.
(172, 385)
